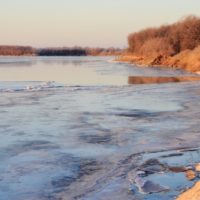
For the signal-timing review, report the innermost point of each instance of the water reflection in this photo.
(152, 80)
(68, 71)
(79, 71)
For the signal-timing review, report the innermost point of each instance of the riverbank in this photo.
(188, 60)
(176, 45)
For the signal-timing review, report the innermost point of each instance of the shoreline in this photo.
(173, 62)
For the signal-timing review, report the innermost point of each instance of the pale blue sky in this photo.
(85, 22)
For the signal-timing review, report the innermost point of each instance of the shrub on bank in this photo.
(167, 40)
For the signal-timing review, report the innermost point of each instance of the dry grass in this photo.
(188, 60)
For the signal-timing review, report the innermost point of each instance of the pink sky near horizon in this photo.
(92, 23)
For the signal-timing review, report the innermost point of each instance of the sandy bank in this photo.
(188, 60)
(191, 194)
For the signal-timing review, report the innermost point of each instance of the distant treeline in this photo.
(167, 40)
(61, 52)
(74, 51)
(16, 50)
(103, 51)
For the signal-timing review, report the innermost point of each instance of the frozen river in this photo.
(73, 128)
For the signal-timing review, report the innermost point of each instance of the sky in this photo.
(94, 23)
